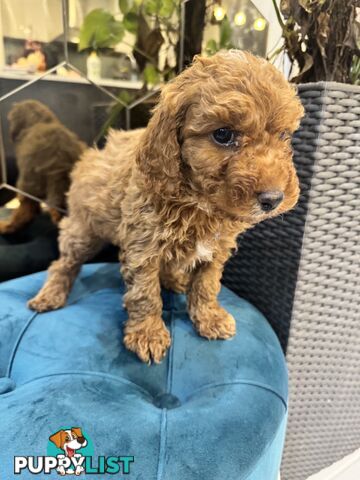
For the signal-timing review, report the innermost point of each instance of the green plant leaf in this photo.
(127, 6)
(152, 7)
(100, 30)
(126, 97)
(124, 6)
(211, 47)
(167, 8)
(151, 75)
(131, 22)
(225, 33)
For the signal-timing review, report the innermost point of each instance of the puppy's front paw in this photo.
(149, 339)
(214, 322)
(46, 301)
(61, 470)
(79, 470)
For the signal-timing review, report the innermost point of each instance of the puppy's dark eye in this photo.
(224, 136)
(285, 135)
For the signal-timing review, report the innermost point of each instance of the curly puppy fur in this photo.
(174, 200)
(45, 152)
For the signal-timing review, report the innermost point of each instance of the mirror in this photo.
(44, 128)
(61, 88)
(236, 24)
(41, 62)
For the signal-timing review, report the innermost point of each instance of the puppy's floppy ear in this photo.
(58, 438)
(159, 153)
(16, 124)
(77, 431)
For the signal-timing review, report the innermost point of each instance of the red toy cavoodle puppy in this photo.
(214, 160)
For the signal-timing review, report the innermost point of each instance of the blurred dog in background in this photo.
(46, 152)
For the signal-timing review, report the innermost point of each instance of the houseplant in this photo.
(151, 27)
(154, 26)
(322, 38)
(302, 271)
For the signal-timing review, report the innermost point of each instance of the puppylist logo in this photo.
(70, 452)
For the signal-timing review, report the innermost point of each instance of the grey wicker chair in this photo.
(302, 272)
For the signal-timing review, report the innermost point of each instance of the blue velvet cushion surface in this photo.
(211, 410)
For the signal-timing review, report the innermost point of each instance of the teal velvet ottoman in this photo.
(71, 396)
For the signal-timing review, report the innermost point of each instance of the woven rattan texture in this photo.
(320, 286)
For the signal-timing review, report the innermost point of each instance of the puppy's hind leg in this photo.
(23, 215)
(77, 244)
(56, 188)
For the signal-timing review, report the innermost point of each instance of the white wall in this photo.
(37, 19)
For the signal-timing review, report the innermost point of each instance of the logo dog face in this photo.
(69, 440)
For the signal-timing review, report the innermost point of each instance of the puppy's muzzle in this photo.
(81, 440)
(268, 201)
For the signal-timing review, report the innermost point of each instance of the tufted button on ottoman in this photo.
(6, 385)
(210, 411)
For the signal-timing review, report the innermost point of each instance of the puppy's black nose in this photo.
(270, 200)
(81, 440)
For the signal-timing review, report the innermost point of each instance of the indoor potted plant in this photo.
(150, 26)
(100, 31)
